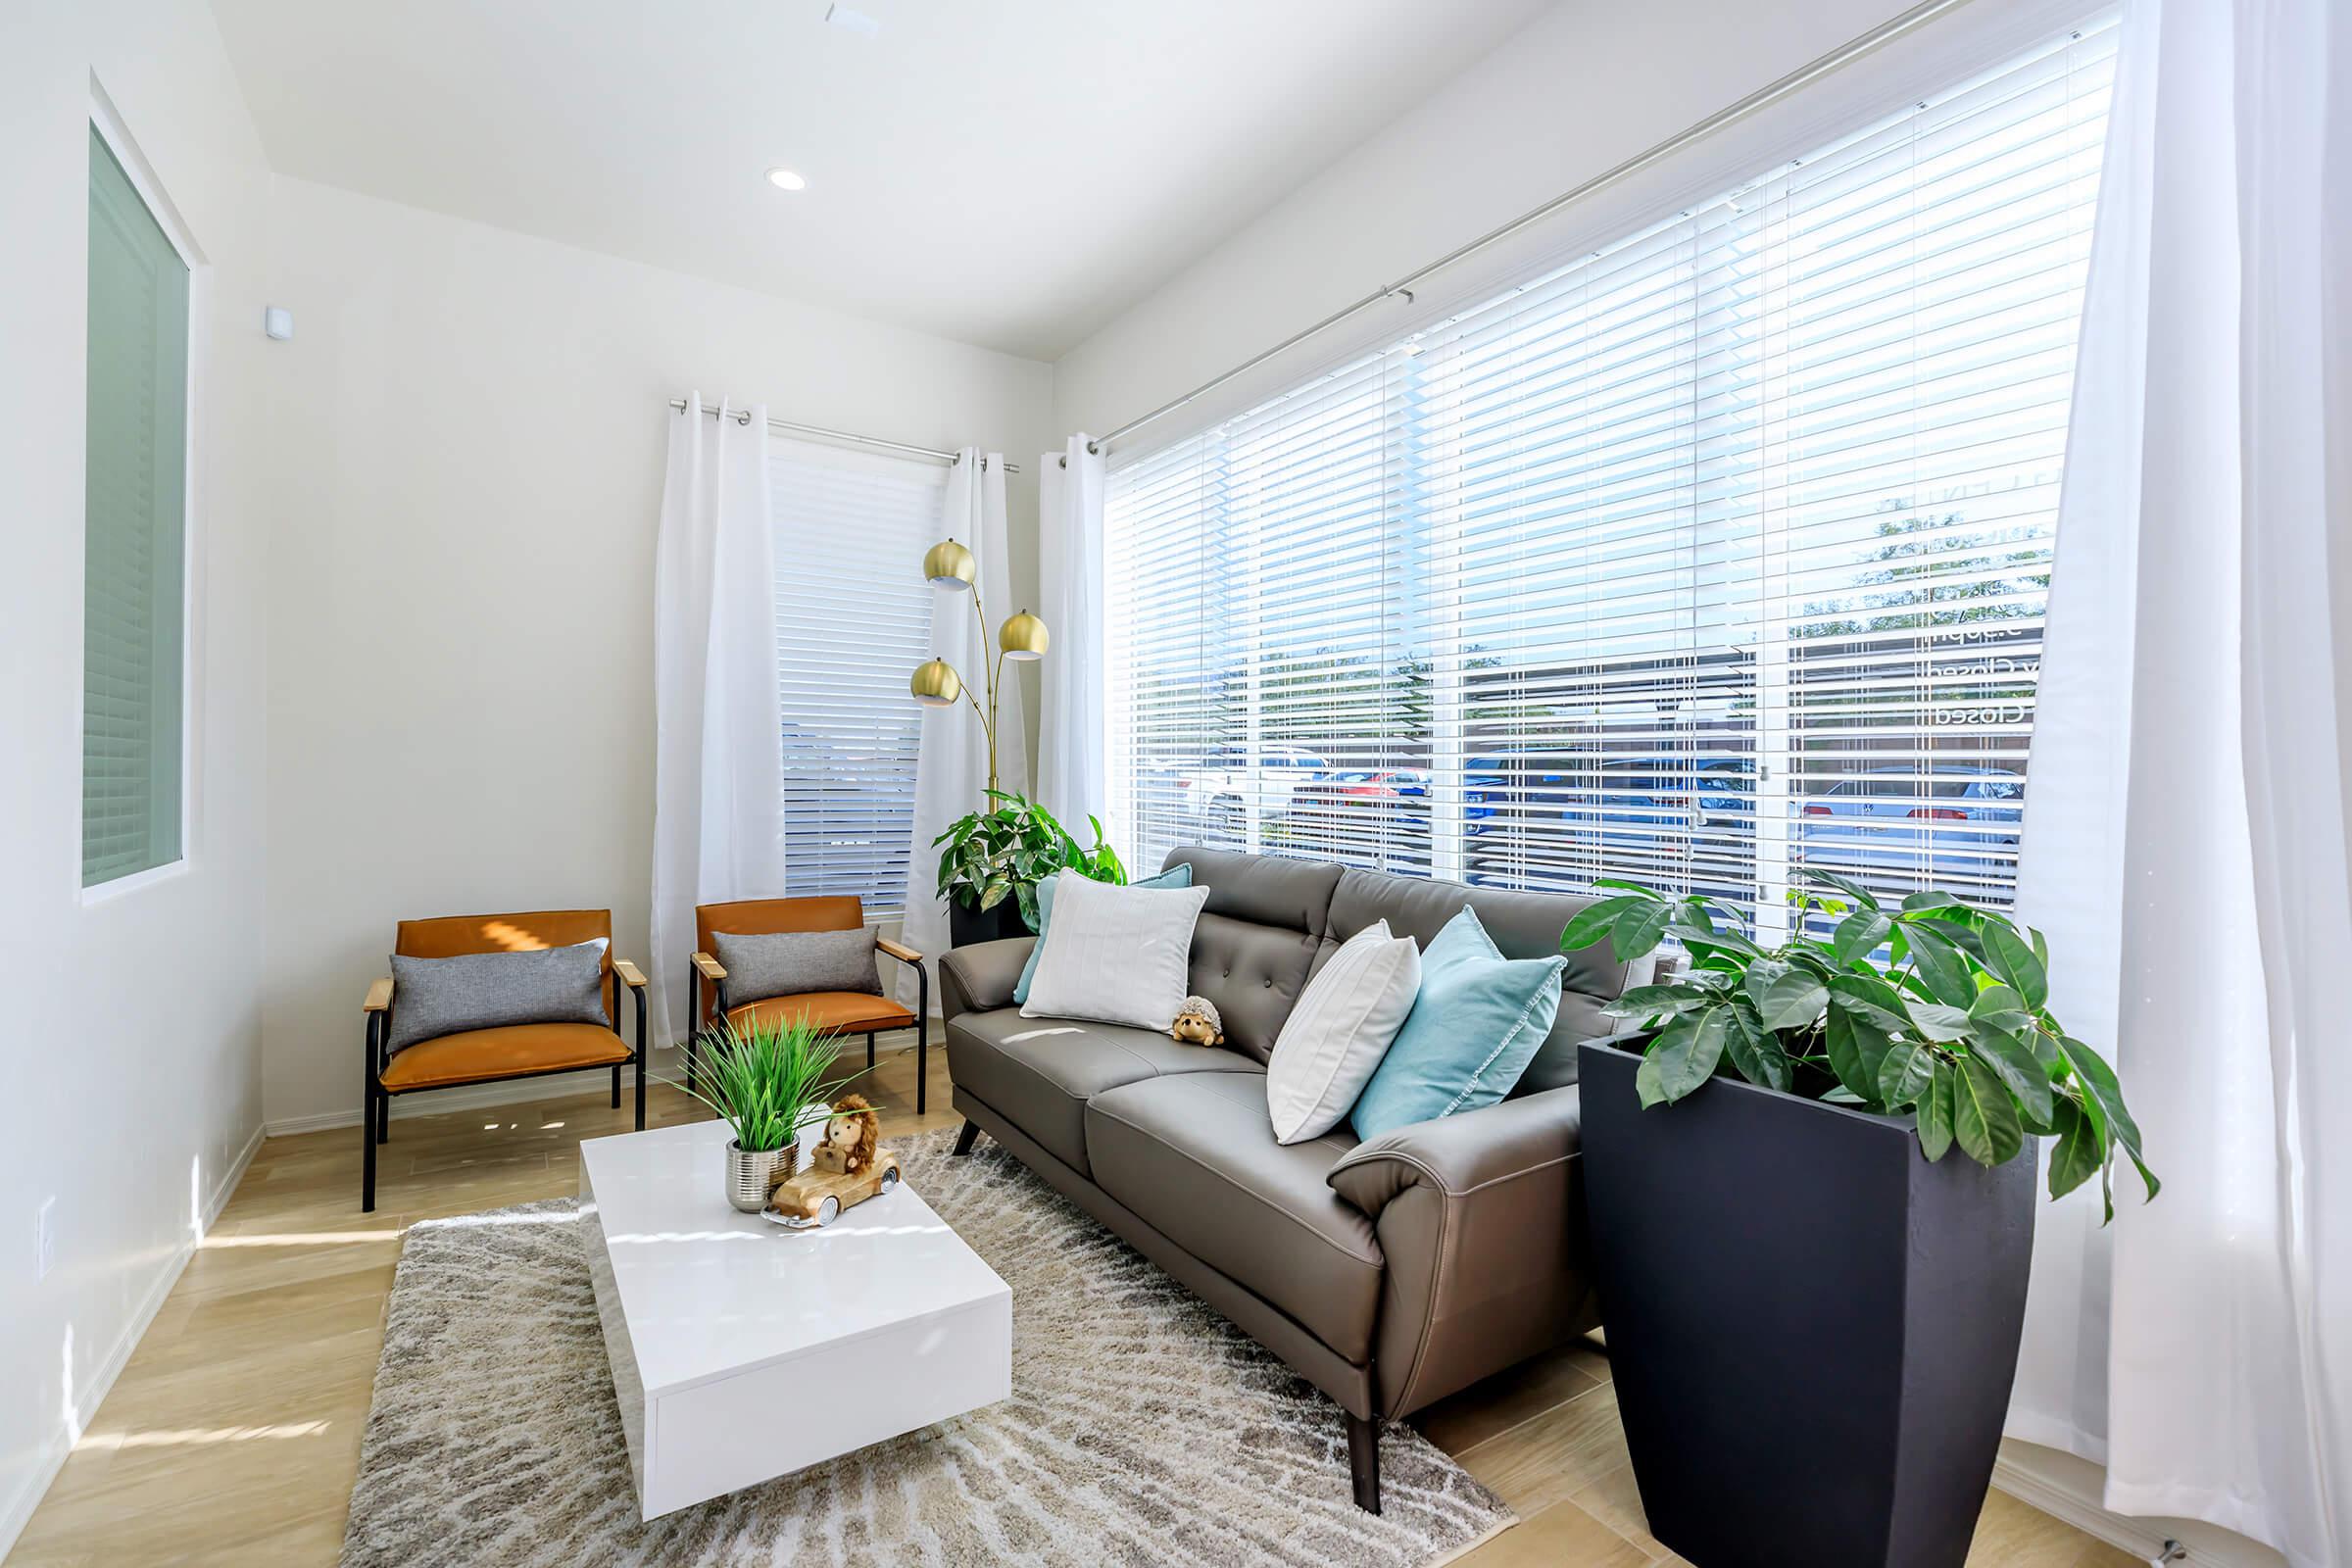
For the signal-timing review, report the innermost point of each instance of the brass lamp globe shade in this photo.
(1022, 636)
(948, 565)
(935, 683)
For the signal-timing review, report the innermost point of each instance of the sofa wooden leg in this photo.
(616, 1086)
(968, 1135)
(1363, 1460)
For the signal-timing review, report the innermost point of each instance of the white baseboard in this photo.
(18, 1512)
(2070, 1490)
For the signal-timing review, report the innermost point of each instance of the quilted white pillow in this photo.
(1116, 954)
(1335, 1037)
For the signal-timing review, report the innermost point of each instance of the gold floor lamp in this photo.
(935, 682)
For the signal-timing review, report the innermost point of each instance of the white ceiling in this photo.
(1010, 173)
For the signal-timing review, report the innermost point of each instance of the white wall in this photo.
(134, 1052)
(469, 429)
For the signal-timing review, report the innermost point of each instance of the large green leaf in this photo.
(1646, 1085)
(1639, 929)
(1858, 936)
(1983, 1117)
(2012, 957)
(993, 892)
(1592, 922)
(1998, 1007)
(1755, 1049)
(1928, 899)
(2098, 1080)
(1937, 1022)
(1936, 1111)
(1940, 964)
(1857, 1048)
(2076, 1152)
(1652, 1002)
(1790, 999)
(2012, 1061)
(1689, 1051)
(1906, 1073)
(1866, 996)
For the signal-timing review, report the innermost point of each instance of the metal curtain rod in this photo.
(744, 416)
(1803, 75)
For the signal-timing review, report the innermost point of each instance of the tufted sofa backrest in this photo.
(1257, 937)
(1271, 923)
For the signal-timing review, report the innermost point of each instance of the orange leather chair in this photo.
(846, 1013)
(514, 1051)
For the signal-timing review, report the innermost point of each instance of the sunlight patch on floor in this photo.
(200, 1436)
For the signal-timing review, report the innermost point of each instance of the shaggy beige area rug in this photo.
(1143, 1428)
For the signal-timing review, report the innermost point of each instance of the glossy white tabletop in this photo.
(708, 1292)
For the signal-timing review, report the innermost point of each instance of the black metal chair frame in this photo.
(376, 1117)
(922, 1025)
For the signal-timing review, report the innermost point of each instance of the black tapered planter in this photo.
(967, 926)
(1812, 1330)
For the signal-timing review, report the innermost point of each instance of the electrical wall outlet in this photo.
(44, 1229)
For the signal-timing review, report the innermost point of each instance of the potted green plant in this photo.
(991, 862)
(766, 1080)
(1790, 1265)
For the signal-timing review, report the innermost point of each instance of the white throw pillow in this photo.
(1335, 1037)
(1116, 954)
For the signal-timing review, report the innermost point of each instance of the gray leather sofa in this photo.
(1389, 1273)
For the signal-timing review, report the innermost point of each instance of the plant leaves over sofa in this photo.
(1955, 1027)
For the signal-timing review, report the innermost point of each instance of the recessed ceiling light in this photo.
(786, 180)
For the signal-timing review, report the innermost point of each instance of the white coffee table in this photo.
(742, 1350)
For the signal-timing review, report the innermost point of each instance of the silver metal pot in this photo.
(752, 1175)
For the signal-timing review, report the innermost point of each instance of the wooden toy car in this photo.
(817, 1195)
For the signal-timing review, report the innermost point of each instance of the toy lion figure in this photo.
(851, 1135)
(1198, 1023)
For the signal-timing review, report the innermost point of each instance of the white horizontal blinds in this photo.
(853, 618)
(1719, 550)
(135, 533)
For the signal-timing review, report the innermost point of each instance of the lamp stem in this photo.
(988, 721)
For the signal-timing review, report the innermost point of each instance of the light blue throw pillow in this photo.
(1474, 1028)
(1175, 876)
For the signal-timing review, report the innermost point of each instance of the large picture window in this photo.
(135, 533)
(853, 616)
(1718, 550)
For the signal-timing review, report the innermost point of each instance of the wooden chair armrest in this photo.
(629, 973)
(379, 995)
(710, 968)
(899, 951)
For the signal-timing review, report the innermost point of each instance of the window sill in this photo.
(105, 892)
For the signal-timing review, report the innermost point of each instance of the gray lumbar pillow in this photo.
(436, 997)
(788, 964)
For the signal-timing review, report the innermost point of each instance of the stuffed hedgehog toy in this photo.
(1198, 1023)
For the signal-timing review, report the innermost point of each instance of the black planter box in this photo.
(967, 926)
(1812, 1330)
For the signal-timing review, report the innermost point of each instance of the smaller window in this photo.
(134, 527)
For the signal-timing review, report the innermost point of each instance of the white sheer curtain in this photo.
(717, 724)
(951, 772)
(2185, 846)
(1070, 780)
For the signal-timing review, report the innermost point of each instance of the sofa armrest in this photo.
(981, 975)
(1481, 1218)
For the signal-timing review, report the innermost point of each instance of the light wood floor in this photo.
(234, 1434)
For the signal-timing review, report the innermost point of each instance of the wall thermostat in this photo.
(278, 322)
